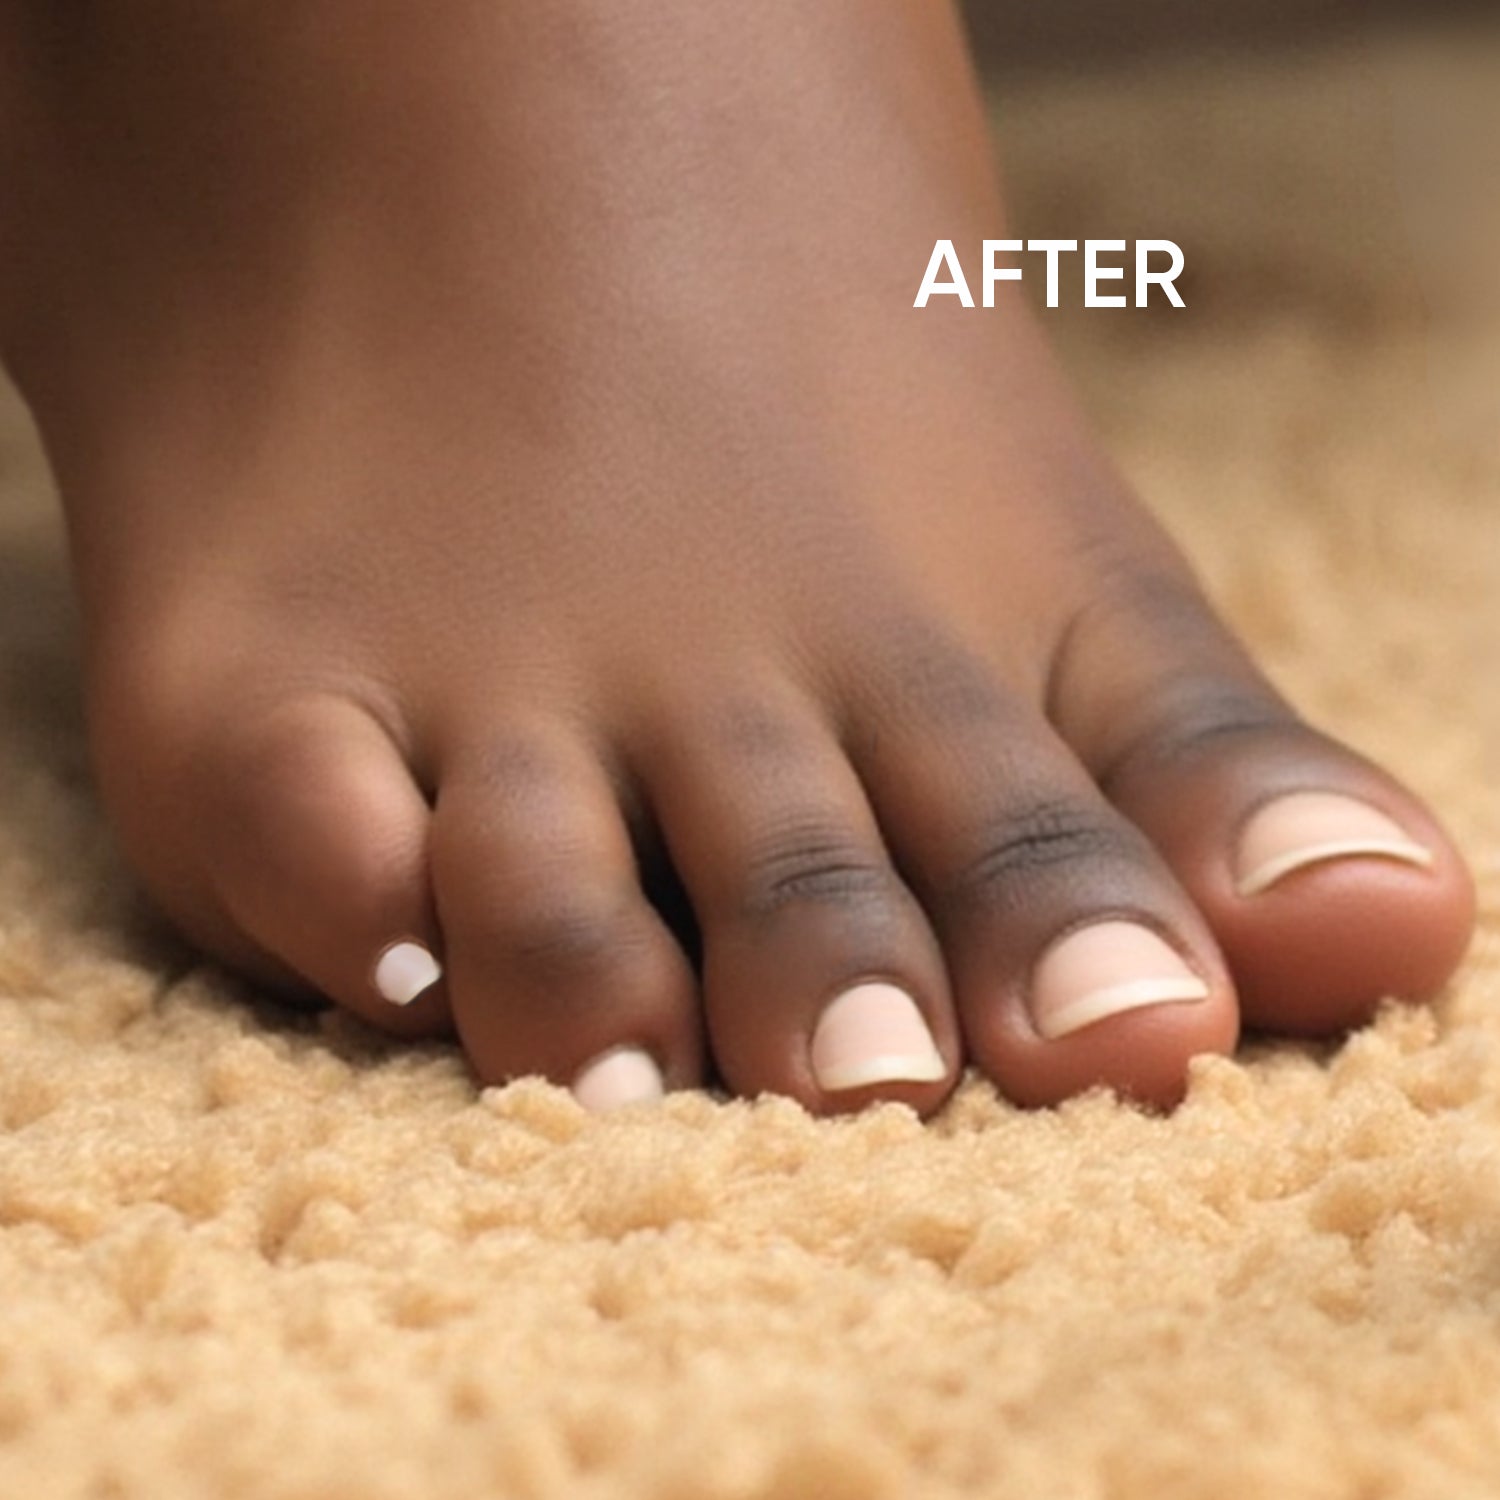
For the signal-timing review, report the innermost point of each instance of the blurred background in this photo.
(1321, 424)
(1074, 33)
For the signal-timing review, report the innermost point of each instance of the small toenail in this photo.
(1106, 969)
(1309, 828)
(874, 1033)
(623, 1076)
(404, 971)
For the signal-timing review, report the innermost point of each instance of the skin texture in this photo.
(517, 508)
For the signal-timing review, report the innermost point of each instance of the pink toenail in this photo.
(624, 1076)
(1105, 970)
(1309, 828)
(874, 1033)
(404, 971)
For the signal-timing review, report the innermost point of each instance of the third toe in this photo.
(822, 977)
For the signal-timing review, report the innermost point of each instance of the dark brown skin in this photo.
(500, 452)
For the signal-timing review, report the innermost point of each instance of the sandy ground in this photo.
(244, 1254)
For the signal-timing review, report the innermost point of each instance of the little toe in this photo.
(320, 836)
(1328, 885)
(1076, 959)
(558, 965)
(822, 977)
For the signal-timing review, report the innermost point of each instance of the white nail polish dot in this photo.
(624, 1076)
(1106, 970)
(404, 971)
(1313, 828)
(874, 1033)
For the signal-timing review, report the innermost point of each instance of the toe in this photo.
(557, 963)
(1328, 885)
(1076, 959)
(319, 839)
(822, 977)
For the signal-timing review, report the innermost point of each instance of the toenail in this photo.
(624, 1076)
(874, 1033)
(404, 971)
(1106, 969)
(1309, 828)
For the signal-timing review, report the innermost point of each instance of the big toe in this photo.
(1328, 884)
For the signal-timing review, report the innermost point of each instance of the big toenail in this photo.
(1103, 970)
(404, 971)
(623, 1076)
(874, 1033)
(1310, 828)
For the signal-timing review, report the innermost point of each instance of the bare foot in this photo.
(503, 460)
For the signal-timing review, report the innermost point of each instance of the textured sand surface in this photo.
(249, 1255)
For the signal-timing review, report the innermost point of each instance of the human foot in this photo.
(504, 466)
